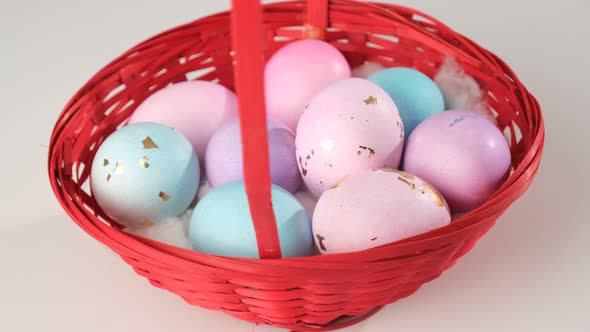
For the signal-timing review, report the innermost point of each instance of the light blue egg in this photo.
(415, 94)
(144, 173)
(221, 223)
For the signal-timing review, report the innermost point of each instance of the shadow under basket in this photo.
(307, 293)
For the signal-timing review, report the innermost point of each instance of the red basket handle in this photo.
(248, 44)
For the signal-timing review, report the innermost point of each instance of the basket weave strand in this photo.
(305, 293)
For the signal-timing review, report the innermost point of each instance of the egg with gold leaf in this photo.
(144, 173)
(374, 208)
(350, 126)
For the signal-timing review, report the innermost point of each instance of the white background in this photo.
(529, 273)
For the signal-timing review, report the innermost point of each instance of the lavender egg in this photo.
(462, 154)
(348, 127)
(224, 162)
(376, 207)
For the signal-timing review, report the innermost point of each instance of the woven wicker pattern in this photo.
(310, 292)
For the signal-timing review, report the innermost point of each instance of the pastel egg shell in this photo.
(462, 154)
(374, 208)
(144, 173)
(222, 225)
(416, 96)
(350, 126)
(296, 72)
(224, 162)
(194, 108)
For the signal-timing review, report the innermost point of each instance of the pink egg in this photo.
(462, 154)
(376, 207)
(296, 72)
(194, 108)
(350, 126)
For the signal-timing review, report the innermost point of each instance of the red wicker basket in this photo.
(308, 293)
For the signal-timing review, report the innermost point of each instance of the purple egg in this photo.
(223, 157)
(462, 154)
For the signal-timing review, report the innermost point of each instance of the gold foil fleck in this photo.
(436, 196)
(143, 162)
(371, 100)
(402, 173)
(410, 184)
(308, 157)
(118, 168)
(164, 196)
(148, 143)
(337, 183)
(303, 170)
(406, 175)
(105, 162)
(321, 242)
(371, 151)
(312, 152)
(148, 223)
(420, 190)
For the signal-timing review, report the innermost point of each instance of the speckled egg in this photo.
(296, 72)
(462, 154)
(224, 162)
(144, 173)
(416, 96)
(194, 108)
(350, 126)
(376, 207)
(221, 223)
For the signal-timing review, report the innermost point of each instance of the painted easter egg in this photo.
(224, 162)
(144, 173)
(350, 126)
(462, 154)
(416, 96)
(376, 207)
(221, 223)
(296, 72)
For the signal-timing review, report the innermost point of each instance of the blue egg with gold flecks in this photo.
(144, 173)
(415, 94)
(221, 223)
